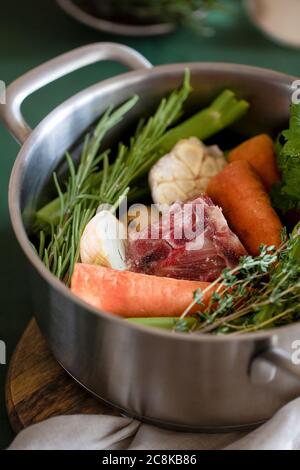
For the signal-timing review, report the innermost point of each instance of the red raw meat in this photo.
(209, 248)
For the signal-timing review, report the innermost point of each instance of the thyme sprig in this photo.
(261, 292)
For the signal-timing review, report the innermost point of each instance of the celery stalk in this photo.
(223, 112)
(165, 323)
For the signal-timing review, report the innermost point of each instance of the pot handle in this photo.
(57, 68)
(264, 365)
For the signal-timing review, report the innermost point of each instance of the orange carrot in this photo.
(259, 152)
(239, 191)
(130, 294)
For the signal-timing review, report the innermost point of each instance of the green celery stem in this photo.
(165, 323)
(223, 112)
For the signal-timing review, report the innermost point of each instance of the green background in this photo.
(33, 31)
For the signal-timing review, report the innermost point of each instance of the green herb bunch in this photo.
(261, 292)
(189, 13)
(87, 187)
(286, 194)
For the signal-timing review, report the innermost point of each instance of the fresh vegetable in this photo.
(129, 294)
(262, 292)
(259, 152)
(239, 191)
(286, 194)
(223, 111)
(103, 241)
(184, 173)
(151, 141)
(165, 323)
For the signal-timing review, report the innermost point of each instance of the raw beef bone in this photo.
(210, 247)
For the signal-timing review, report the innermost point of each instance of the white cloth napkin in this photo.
(102, 432)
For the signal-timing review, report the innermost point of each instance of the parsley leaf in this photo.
(286, 194)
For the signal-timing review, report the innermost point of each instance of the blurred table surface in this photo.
(32, 32)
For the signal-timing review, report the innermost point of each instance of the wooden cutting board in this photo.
(38, 388)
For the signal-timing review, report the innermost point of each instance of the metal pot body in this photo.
(182, 381)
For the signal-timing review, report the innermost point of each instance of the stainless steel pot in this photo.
(178, 380)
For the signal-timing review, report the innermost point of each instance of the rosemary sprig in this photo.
(61, 250)
(261, 292)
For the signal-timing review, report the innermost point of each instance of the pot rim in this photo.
(20, 163)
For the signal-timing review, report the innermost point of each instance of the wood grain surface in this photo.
(38, 388)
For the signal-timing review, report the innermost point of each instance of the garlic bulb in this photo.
(103, 241)
(185, 172)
